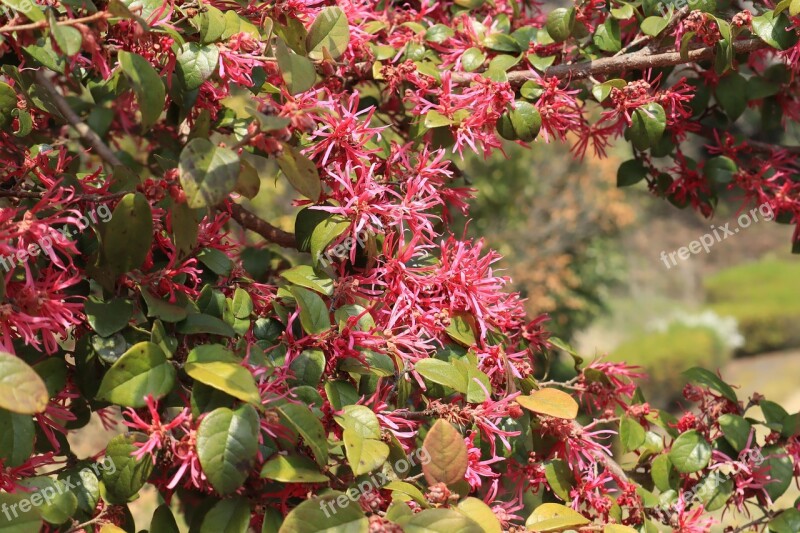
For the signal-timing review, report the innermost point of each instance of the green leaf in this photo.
(607, 36)
(560, 23)
(129, 233)
(308, 367)
(560, 478)
(714, 491)
(441, 521)
(631, 434)
(434, 119)
(731, 93)
(554, 517)
(550, 402)
(107, 318)
(163, 521)
(364, 454)
(208, 173)
(330, 31)
(129, 474)
(301, 172)
(325, 233)
(297, 71)
(30, 522)
(602, 90)
(360, 420)
(27, 7)
(60, 507)
(690, 452)
(623, 12)
(794, 10)
(774, 30)
(705, 378)
(211, 23)
(664, 475)
(216, 260)
(522, 122)
(343, 315)
(324, 514)
(630, 173)
(16, 442)
(647, 126)
(150, 92)
(473, 58)
(8, 102)
(293, 469)
(168, 312)
(217, 367)
(201, 323)
(196, 63)
(306, 276)
(373, 363)
(231, 515)
(308, 426)
(448, 454)
(443, 373)
(227, 444)
(481, 514)
(652, 26)
(69, 39)
(720, 170)
(789, 520)
(780, 468)
(21, 389)
(736, 430)
(462, 329)
(314, 314)
(142, 370)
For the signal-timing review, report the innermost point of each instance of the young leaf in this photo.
(141, 371)
(217, 367)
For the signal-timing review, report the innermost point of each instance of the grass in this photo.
(763, 297)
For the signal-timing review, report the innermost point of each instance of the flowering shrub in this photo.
(388, 382)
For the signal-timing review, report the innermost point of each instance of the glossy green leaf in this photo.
(705, 378)
(217, 367)
(652, 26)
(308, 367)
(736, 429)
(16, 442)
(330, 31)
(774, 30)
(293, 469)
(324, 514)
(473, 58)
(297, 71)
(554, 517)
(196, 63)
(441, 521)
(227, 443)
(306, 276)
(648, 123)
(142, 370)
(123, 482)
(314, 314)
(631, 172)
(308, 426)
(560, 23)
(129, 233)
(231, 515)
(631, 434)
(107, 318)
(690, 452)
(150, 92)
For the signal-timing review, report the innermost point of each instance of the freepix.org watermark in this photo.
(48, 494)
(717, 234)
(8, 262)
(330, 507)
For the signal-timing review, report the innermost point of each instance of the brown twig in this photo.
(643, 59)
(250, 221)
(67, 22)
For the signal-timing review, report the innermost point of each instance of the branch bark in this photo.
(640, 60)
(250, 221)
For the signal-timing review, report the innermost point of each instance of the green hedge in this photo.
(764, 297)
(665, 355)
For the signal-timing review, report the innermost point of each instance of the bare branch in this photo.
(250, 221)
(640, 60)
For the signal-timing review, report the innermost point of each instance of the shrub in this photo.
(763, 297)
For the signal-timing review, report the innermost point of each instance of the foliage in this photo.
(665, 355)
(764, 306)
(293, 397)
(556, 234)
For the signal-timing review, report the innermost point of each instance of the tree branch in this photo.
(640, 60)
(240, 214)
(67, 22)
(250, 221)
